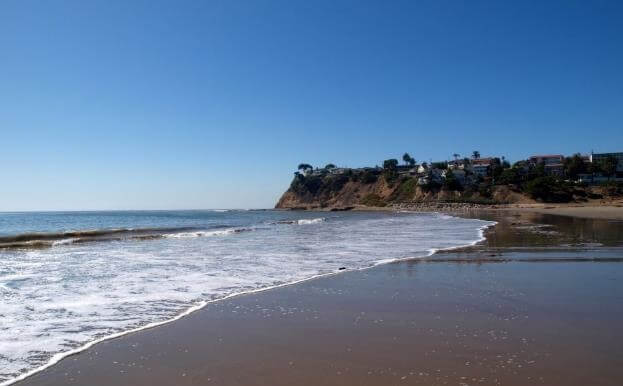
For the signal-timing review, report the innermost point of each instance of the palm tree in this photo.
(475, 154)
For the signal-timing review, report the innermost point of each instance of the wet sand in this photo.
(540, 302)
(608, 212)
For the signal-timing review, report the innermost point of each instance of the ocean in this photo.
(71, 279)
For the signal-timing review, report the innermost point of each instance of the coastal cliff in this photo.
(377, 189)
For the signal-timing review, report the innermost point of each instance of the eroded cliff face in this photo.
(349, 191)
(349, 194)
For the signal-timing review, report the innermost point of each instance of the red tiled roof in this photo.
(547, 156)
(487, 160)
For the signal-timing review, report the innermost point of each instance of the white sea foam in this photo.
(61, 300)
(64, 241)
(221, 232)
(305, 221)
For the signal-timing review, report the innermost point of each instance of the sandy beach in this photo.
(608, 212)
(540, 302)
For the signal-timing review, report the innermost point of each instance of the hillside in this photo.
(348, 190)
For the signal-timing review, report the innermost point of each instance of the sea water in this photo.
(69, 279)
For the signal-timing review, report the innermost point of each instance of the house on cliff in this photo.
(553, 164)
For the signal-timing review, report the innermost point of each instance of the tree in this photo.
(537, 171)
(609, 166)
(390, 164)
(593, 168)
(391, 169)
(329, 166)
(575, 165)
(496, 170)
(408, 159)
(451, 182)
(456, 156)
(548, 189)
(368, 177)
(305, 168)
(509, 176)
(475, 154)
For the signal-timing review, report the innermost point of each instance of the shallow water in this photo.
(80, 288)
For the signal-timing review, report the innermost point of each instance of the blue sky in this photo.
(212, 104)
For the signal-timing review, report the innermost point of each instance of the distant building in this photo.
(338, 170)
(459, 165)
(316, 172)
(549, 159)
(413, 171)
(599, 157)
(481, 170)
(481, 166)
(553, 164)
(431, 175)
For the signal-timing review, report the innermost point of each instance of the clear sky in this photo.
(212, 104)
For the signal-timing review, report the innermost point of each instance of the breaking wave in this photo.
(303, 221)
(46, 240)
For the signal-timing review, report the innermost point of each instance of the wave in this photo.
(46, 240)
(220, 232)
(303, 221)
(311, 221)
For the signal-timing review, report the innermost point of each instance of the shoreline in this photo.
(58, 357)
(609, 211)
(40, 372)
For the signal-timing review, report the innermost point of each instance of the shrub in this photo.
(368, 177)
(509, 176)
(335, 184)
(302, 184)
(406, 190)
(548, 189)
(372, 199)
(484, 190)
(612, 188)
(390, 169)
(432, 186)
(451, 183)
